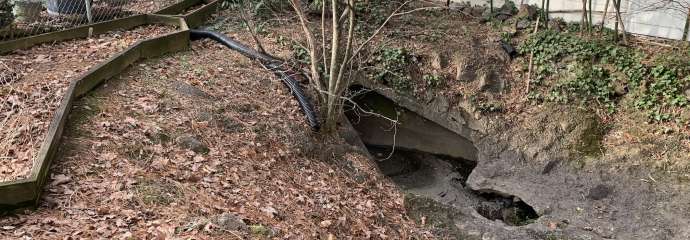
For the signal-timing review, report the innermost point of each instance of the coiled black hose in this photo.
(273, 64)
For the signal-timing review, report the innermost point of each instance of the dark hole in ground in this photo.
(429, 160)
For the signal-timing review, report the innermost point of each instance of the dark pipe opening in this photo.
(428, 159)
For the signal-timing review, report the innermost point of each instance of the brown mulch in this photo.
(125, 171)
(31, 88)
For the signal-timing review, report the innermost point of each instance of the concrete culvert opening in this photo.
(426, 159)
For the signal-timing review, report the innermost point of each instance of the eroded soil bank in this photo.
(570, 201)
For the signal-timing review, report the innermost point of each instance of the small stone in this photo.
(269, 211)
(193, 144)
(687, 93)
(325, 223)
(231, 222)
(509, 49)
(502, 17)
(509, 29)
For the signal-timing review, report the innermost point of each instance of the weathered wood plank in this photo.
(17, 194)
(197, 17)
(79, 32)
(179, 7)
(165, 44)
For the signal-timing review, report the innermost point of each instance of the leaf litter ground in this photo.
(173, 146)
(32, 85)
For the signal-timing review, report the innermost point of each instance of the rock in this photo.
(508, 8)
(687, 93)
(231, 222)
(193, 144)
(523, 24)
(599, 192)
(326, 223)
(269, 211)
(502, 16)
(527, 12)
(510, 29)
(509, 49)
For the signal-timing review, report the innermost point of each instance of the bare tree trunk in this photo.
(546, 13)
(313, 48)
(584, 16)
(591, 21)
(332, 74)
(617, 5)
(687, 26)
(348, 45)
(339, 66)
(543, 8)
(606, 10)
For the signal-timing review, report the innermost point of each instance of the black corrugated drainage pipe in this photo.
(273, 64)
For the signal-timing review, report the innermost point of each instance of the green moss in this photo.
(589, 137)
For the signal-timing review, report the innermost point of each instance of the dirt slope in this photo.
(207, 144)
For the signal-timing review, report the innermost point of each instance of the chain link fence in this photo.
(22, 18)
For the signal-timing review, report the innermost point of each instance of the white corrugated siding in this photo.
(640, 16)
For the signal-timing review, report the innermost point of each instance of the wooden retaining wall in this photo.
(26, 193)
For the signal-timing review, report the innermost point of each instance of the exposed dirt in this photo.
(207, 144)
(33, 89)
(588, 176)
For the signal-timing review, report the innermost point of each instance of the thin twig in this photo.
(531, 58)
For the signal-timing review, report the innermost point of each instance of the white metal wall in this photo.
(645, 17)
